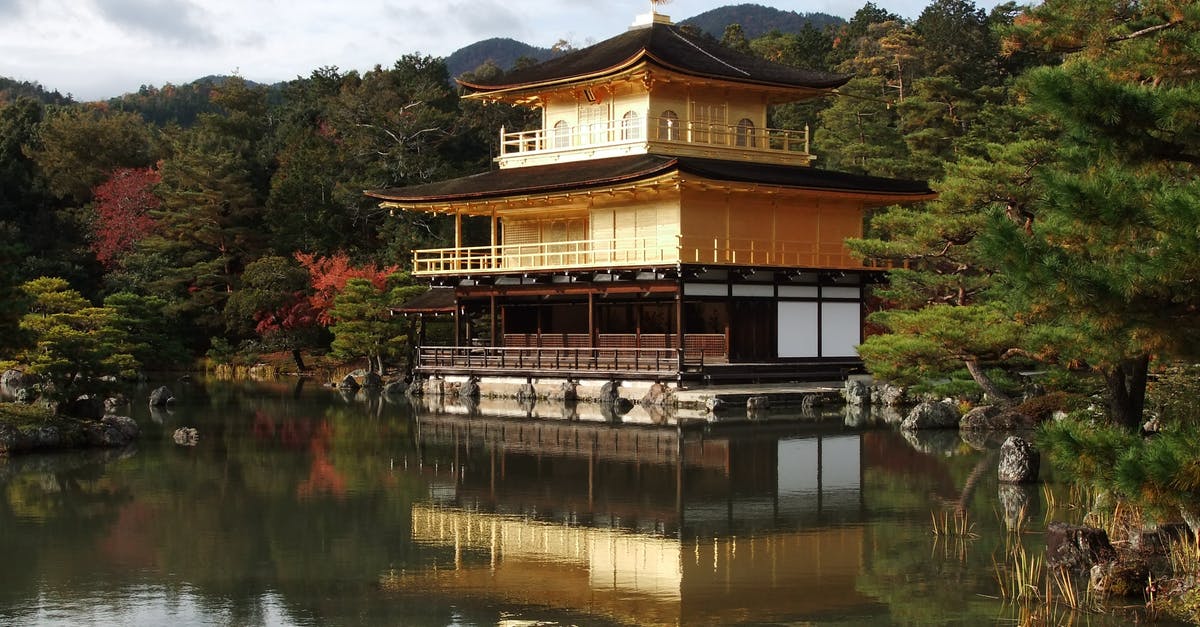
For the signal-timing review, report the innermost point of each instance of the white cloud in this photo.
(97, 49)
(177, 22)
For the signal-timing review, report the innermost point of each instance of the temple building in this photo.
(654, 226)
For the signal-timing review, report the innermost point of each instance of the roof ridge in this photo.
(710, 55)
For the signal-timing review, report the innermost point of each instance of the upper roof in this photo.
(580, 175)
(665, 45)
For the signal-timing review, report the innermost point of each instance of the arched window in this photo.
(668, 126)
(631, 125)
(745, 133)
(562, 134)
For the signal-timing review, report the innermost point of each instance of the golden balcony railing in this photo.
(628, 252)
(638, 130)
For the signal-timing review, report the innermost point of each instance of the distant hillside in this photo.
(180, 104)
(502, 51)
(757, 20)
(11, 89)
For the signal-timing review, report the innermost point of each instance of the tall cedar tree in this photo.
(211, 220)
(941, 315)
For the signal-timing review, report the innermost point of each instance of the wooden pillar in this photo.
(492, 319)
(458, 228)
(457, 323)
(591, 320)
(637, 323)
(679, 316)
(495, 263)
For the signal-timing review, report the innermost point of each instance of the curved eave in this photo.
(630, 65)
(651, 169)
(824, 86)
(474, 193)
(482, 91)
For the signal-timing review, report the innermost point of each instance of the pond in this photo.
(302, 506)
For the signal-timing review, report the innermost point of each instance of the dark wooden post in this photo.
(591, 305)
(492, 319)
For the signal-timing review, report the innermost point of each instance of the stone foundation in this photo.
(588, 390)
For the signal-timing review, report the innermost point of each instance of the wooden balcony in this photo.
(632, 252)
(669, 136)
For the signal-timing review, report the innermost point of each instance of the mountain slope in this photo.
(757, 20)
(500, 50)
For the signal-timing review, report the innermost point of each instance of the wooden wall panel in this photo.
(751, 218)
(797, 221)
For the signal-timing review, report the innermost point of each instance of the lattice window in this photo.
(562, 134)
(745, 133)
(708, 122)
(668, 126)
(631, 126)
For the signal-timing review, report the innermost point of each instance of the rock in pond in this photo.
(1077, 547)
(994, 418)
(856, 392)
(161, 397)
(931, 415)
(1019, 461)
(186, 436)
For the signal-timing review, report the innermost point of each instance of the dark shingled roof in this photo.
(581, 175)
(668, 46)
(436, 300)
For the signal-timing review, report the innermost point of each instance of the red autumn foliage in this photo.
(298, 313)
(329, 276)
(123, 206)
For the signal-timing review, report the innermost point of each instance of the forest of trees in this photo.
(229, 220)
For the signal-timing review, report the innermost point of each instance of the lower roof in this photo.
(580, 175)
(438, 300)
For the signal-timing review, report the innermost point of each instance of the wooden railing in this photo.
(640, 251)
(713, 346)
(632, 251)
(498, 359)
(757, 252)
(569, 352)
(635, 130)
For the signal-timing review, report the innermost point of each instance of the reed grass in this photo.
(1020, 575)
(1184, 554)
(1067, 588)
(953, 525)
(235, 372)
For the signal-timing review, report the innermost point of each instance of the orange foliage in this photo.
(329, 276)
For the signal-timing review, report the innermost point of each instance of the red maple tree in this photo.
(329, 276)
(123, 204)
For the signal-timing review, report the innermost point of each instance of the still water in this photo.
(300, 506)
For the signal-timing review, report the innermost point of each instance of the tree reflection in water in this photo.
(303, 507)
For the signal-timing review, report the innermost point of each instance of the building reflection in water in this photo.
(642, 524)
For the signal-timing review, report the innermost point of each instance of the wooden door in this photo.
(752, 330)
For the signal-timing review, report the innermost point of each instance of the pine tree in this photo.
(363, 323)
(1111, 251)
(76, 347)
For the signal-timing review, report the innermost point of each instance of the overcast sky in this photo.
(96, 49)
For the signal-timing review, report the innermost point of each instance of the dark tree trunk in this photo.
(1127, 391)
(299, 359)
(416, 336)
(989, 387)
